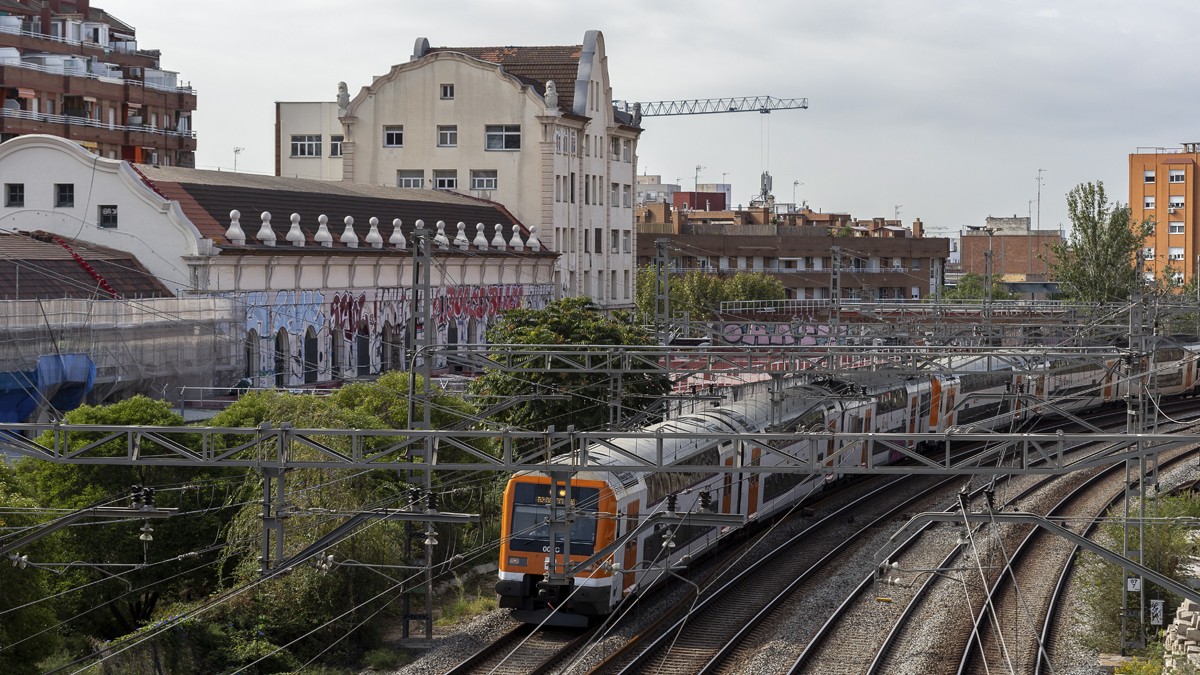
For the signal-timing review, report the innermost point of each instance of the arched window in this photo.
(311, 356)
(392, 352)
(252, 357)
(362, 350)
(282, 357)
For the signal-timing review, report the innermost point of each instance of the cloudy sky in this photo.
(943, 109)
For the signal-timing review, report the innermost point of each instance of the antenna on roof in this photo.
(236, 151)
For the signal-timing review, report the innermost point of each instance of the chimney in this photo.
(918, 229)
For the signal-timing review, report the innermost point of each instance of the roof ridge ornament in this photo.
(295, 234)
(481, 241)
(373, 237)
(498, 240)
(397, 238)
(265, 234)
(234, 234)
(460, 239)
(323, 237)
(349, 238)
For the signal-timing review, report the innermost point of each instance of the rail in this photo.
(87, 122)
(61, 70)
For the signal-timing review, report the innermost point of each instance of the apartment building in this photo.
(1163, 188)
(531, 128)
(71, 70)
(813, 255)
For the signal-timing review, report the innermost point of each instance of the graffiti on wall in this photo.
(798, 332)
(361, 332)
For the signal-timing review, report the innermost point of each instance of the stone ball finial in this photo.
(460, 239)
(349, 238)
(397, 238)
(532, 242)
(323, 237)
(440, 238)
(265, 234)
(480, 241)
(235, 234)
(515, 242)
(498, 240)
(373, 237)
(295, 234)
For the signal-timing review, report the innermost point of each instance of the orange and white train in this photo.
(611, 509)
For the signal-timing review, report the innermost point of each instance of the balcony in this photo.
(85, 129)
(84, 75)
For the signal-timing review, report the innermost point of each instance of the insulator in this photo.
(414, 497)
(430, 501)
(672, 500)
(135, 495)
(148, 496)
(706, 501)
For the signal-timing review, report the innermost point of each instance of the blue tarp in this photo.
(63, 380)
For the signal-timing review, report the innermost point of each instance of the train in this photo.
(612, 512)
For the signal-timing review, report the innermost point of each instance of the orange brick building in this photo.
(1163, 188)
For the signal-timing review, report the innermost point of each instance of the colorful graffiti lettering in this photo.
(795, 333)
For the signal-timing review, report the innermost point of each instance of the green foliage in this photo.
(700, 294)
(1098, 262)
(1151, 662)
(109, 545)
(1167, 549)
(18, 587)
(972, 286)
(588, 396)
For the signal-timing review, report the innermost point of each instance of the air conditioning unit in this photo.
(1171, 209)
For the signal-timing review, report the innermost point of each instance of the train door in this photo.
(629, 564)
(935, 409)
(727, 493)
(752, 480)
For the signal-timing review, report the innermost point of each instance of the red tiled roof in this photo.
(535, 65)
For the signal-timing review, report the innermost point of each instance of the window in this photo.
(1175, 176)
(614, 240)
(447, 92)
(64, 194)
(599, 234)
(335, 145)
(572, 184)
(625, 238)
(626, 150)
(410, 178)
(108, 216)
(1148, 176)
(1148, 253)
(306, 146)
(916, 263)
(393, 137)
(483, 179)
(1175, 201)
(14, 194)
(626, 196)
(612, 193)
(1175, 253)
(1148, 202)
(507, 137)
(1175, 227)
(447, 136)
(615, 148)
(445, 179)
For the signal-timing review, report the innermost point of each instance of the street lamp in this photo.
(795, 184)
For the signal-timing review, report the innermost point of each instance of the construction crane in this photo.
(705, 106)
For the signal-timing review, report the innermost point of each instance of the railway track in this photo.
(689, 641)
(525, 650)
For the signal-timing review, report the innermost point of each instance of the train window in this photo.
(529, 526)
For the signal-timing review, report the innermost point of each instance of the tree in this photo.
(25, 637)
(972, 286)
(1098, 262)
(561, 399)
(126, 603)
(700, 294)
(1168, 549)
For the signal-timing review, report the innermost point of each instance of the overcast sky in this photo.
(943, 109)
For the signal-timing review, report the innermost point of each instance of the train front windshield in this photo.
(531, 510)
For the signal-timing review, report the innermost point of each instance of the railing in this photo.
(88, 122)
(55, 70)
